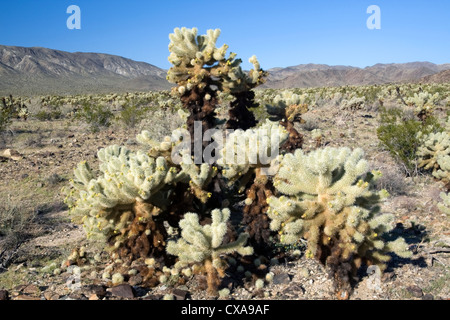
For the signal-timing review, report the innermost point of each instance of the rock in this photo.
(294, 290)
(98, 290)
(122, 290)
(26, 297)
(94, 297)
(4, 295)
(31, 290)
(76, 296)
(180, 294)
(282, 278)
(135, 280)
(12, 154)
(415, 291)
(153, 297)
(50, 295)
(428, 296)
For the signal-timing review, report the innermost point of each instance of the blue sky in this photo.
(280, 33)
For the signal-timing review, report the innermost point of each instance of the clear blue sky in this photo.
(280, 33)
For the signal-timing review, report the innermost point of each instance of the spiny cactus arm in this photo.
(146, 139)
(434, 146)
(186, 252)
(444, 206)
(199, 236)
(236, 246)
(399, 247)
(443, 173)
(83, 174)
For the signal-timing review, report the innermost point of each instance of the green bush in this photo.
(95, 115)
(401, 136)
(48, 115)
(131, 115)
(5, 119)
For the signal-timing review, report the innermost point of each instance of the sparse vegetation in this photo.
(402, 137)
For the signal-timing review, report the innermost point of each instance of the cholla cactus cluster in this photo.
(142, 203)
(355, 103)
(126, 203)
(11, 108)
(424, 103)
(288, 107)
(326, 197)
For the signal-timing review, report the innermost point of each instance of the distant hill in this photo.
(27, 71)
(33, 71)
(441, 77)
(318, 75)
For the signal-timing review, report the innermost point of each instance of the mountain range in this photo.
(36, 70)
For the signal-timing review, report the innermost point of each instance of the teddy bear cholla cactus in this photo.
(200, 70)
(444, 206)
(287, 107)
(204, 244)
(327, 199)
(242, 162)
(434, 146)
(354, 103)
(128, 203)
(424, 103)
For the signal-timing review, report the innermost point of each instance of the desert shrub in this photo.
(16, 225)
(402, 137)
(48, 115)
(95, 115)
(131, 115)
(391, 179)
(5, 119)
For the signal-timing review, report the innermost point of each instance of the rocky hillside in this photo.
(441, 77)
(318, 75)
(41, 71)
(31, 71)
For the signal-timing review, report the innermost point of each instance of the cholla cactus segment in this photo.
(444, 206)
(443, 173)
(434, 145)
(328, 199)
(251, 148)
